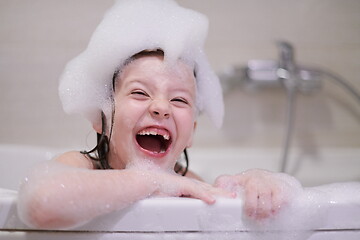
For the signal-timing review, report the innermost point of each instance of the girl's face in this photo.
(155, 113)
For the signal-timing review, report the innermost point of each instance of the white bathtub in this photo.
(325, 212)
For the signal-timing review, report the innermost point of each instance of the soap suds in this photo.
(309, 210)
(129, 27)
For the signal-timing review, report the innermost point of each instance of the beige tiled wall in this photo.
(38, 37)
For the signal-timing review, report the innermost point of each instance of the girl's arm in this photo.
(67, 192)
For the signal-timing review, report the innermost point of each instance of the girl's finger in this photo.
(202, 192)
(277, 200)
(264, 204)
(251, 199)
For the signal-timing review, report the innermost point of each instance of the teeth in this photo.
(144, 132)
(166, 137)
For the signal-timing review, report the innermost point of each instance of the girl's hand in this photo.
(264, 192)
(174, 185)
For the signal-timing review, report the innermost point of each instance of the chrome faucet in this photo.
(260, 73)
(287, 70)
(286, 59)
(283, 72)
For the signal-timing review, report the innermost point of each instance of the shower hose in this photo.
(290, 110)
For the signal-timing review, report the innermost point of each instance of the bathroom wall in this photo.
(38, 37)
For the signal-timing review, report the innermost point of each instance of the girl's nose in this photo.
(160, 109)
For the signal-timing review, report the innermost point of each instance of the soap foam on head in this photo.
(129, 27)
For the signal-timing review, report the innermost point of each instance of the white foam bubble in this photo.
(310, 209)
(129, 27)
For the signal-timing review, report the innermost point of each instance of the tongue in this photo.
(151, 143)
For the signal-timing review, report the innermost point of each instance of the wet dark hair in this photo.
(99, 154)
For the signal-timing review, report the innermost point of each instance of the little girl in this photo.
(147, 90)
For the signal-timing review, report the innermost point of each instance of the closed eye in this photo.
(139, 92)
(180, 100)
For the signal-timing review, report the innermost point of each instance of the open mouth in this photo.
(154, 140)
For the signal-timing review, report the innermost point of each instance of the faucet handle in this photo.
(286, 58)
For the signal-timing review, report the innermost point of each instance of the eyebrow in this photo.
(134, 81)
(183, 89)
(116, 76)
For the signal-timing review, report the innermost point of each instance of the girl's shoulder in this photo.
(75, 159)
